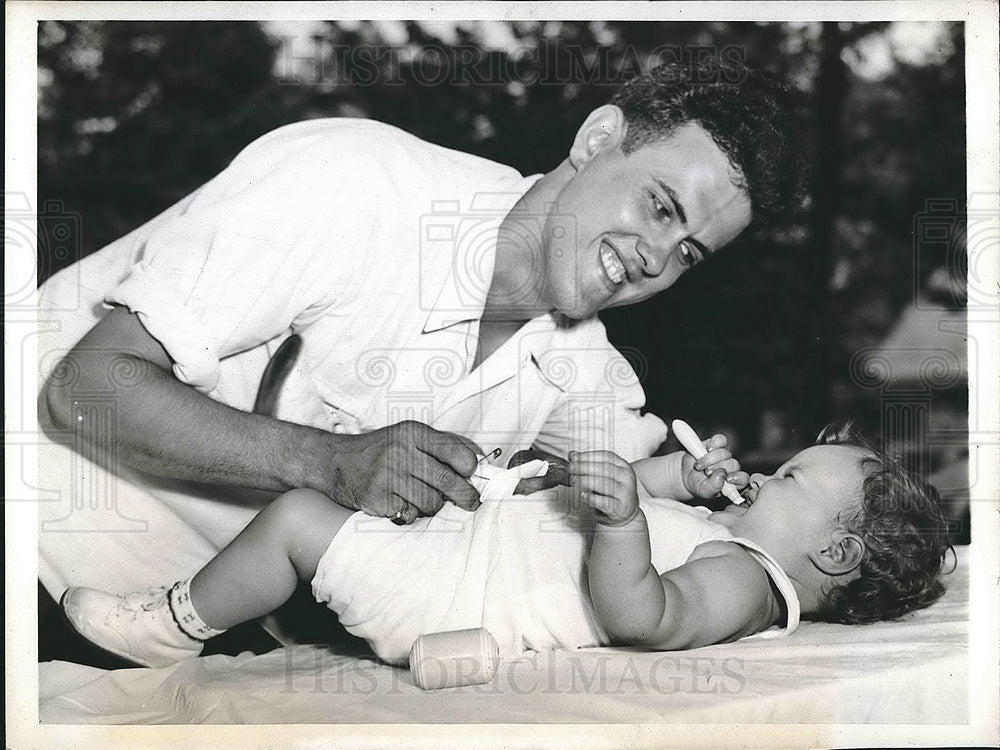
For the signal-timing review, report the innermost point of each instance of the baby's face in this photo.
(792, 511)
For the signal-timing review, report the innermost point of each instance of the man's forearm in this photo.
(166, 428)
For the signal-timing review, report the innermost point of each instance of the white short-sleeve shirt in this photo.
(378, 249)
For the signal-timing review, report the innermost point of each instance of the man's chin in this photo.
(575, 315)
(578, 309)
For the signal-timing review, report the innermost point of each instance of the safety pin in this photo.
(495, 453)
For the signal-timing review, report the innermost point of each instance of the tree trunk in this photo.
(830, 91)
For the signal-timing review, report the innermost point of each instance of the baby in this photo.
(840, 533)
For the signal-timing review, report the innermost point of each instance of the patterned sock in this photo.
(185, 616)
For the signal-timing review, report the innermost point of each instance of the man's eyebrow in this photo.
(673, 197)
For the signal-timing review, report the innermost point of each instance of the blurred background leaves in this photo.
(757, 343)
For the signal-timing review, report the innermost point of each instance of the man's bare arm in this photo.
(169, 429)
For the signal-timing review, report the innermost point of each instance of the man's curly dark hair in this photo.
(746, 112)
(905, 535)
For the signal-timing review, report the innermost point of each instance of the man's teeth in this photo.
(612, 266)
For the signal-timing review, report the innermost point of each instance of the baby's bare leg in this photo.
(259, 569)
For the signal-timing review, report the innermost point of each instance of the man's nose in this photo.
(756, 480)
(653, 257)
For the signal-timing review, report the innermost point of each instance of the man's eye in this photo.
(660, 209)
(687, 257)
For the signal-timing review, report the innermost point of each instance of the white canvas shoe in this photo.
(139, 627)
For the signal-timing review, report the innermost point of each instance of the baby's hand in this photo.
(605, 482)
(704, 478)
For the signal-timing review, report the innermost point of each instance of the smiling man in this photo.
(436, 295)
(641, 219)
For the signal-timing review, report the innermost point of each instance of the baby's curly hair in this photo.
(746, 112)
(905, 535)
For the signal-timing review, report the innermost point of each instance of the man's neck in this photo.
(493, 335)
(516, 292)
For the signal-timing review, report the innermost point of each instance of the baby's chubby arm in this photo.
(721, 595)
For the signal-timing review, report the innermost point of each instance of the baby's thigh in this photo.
(308, 521)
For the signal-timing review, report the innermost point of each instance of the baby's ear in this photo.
(842, 555)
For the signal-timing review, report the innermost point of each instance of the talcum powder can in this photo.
(454, 659)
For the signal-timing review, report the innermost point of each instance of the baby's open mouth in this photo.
(613, 266)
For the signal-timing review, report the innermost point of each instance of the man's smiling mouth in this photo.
(613, 266)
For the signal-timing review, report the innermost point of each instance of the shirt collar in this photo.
(458, 247)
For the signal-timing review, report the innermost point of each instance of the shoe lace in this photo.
(143, 601)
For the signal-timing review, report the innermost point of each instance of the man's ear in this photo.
(843, 554)
(604, 128)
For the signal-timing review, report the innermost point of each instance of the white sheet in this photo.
(915, 671)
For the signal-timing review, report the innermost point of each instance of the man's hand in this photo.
(606, 482)
(704, 478)
(402, 471)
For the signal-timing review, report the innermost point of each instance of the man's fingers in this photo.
(405, 514)
(411, 490)
(453, 450)
(438, 462)
(443, 482)
(477, 450)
